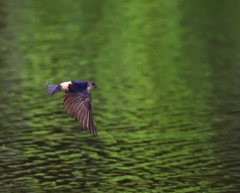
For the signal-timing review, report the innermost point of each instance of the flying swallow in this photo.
(76, 101)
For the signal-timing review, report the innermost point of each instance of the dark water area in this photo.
(166, 108)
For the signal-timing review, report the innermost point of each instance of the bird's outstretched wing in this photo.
(78, 105)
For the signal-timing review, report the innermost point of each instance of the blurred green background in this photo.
(166, 107)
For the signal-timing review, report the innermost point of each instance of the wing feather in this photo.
(78, 105)
(85, 119)
(68, 104)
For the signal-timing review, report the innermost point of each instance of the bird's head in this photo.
(91, 85)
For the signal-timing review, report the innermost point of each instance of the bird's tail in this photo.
(52, 89)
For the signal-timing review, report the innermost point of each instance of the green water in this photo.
(166, 108)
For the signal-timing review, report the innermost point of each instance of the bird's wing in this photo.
(68, 104)
(78, 105)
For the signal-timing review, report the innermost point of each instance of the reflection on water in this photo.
(166, 107)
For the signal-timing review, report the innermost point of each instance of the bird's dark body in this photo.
(76, 101)
(78, 86)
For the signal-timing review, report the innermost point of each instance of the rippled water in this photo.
(166, 107)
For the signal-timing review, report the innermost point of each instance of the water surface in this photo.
(166, 107)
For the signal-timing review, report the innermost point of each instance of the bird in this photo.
(76, 101)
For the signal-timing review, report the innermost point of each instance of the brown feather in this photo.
(78, 105)
(68, 104)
